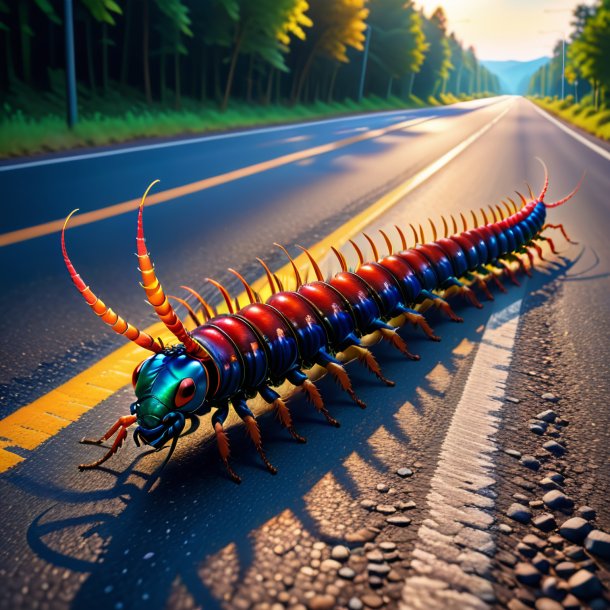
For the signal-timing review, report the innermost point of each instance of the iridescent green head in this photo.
(169, 386)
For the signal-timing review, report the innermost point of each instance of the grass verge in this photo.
(583, 115)
(25, 132)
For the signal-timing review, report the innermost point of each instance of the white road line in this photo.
(452, 556)
(594, 147)
(223, 136)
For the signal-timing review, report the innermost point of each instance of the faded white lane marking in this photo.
(452, 555)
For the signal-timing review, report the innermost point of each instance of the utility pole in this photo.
(365, 59)
(72, 109)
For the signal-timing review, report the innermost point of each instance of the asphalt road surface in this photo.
(128, 534)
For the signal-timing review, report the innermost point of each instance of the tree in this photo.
(337, 25)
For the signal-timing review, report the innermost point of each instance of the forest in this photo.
(198, 55)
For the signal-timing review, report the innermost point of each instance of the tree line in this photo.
(587, 58)
(256, 51)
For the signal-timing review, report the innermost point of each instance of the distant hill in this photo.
(514, 75)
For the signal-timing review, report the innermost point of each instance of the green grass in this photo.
(38, 125)
(582, 115)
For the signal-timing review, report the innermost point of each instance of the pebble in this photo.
(512, 399)
(386, 509)
(404, 472)
(394, 576)
(526, 550)
(508, 559)
(329, 565)
(575, 529)
(546, 603)
(555, 448)
(375, 582)
(556, 476)
(513, 453)
(322, 602)
(557, 499)
(527, 574)
(598, 543)
(548, 483)
(355, 604)
(545, 522)
(556, 540)
(383, 488)
(548, 416)
(520, 498)
(586, 512)
(584, 585)
(399, 521)
(505, 529)
(406, 505)
(346, 573)
(340, 553)
(372, 601)
(541, 563)
(387, 546)
(368, 504)
(550, 589)
(375, 556)
(571, 603)
(588, 564)
(575, 552)
(537, 429)
(565, 569)
(535, 541)
(360, 536)
(519, 512)
(550, 397)
(379, 569)
(529, 461)
(515, 604)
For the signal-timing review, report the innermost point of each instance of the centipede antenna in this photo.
(340, 258)
(455, 228)
(567, 197)
(314, 264)
(387, 241)
(523, 199)
(474, 217)
(485, 219)
(358, 252)
(224, 293)
(500, 211)
(206, 309)
(513, 204)
(269, 275)
(546, 180)
(279, 282)
(493, 213)
(247, 286)
(415, 235)
(507, 207)
(434, 233)
(403, 239)
(191, 313)
(373, 247)
(464, 223)
(421, 234)
(445, 227)
(297, 275)
(529, 188)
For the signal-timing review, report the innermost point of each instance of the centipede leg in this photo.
(508, 272)
(418, 320)
(550, 242)
(339, 374)
(490, 275)
(538, 250)
(312, 394)
(222, 440)
(367, 358)
(396, 341)
(242, 409)
(563, 231)
(464, 290)
(121, 425)
(282, 410)
(441, 304)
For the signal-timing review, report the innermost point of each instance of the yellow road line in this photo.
(55, 226)
(34, 423)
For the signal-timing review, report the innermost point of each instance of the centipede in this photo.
(229, 358)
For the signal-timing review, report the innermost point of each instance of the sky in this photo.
(507, 29)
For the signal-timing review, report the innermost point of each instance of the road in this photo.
(188, 537)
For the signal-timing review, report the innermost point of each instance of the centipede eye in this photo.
(136, 373)
(186, 391)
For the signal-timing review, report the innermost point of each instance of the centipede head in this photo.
(169, 386)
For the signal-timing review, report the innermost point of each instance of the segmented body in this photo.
(235, 356)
